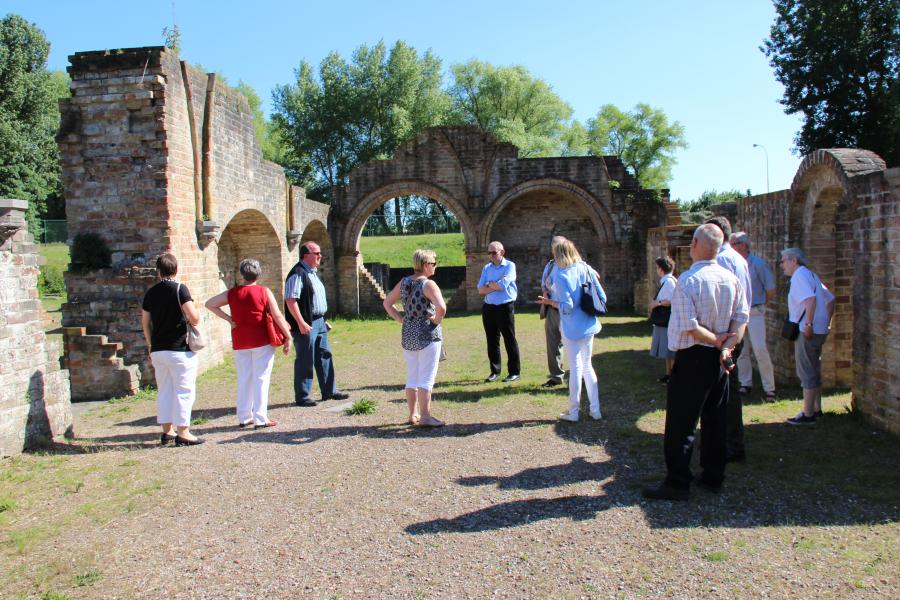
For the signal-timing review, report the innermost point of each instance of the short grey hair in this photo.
(710, 235)
(250, 269)
(740, 237)
(795, 253)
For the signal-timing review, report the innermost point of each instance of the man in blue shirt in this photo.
(498, 286)
(762, 281)
(305, 308)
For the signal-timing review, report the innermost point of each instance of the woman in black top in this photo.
(166, 306)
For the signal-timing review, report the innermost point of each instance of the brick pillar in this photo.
(34, 395)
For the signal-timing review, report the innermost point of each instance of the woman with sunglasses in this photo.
(423, 311)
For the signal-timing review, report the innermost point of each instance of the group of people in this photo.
(715, 313)
(706, 322)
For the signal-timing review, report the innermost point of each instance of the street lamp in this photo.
(767, 164)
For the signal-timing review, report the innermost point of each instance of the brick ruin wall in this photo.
(34, 396)
(158, 156)
(844, 212)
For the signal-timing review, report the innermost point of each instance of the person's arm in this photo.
(145, 325)
(806, 326)
(770, 294)
(485, 287)
(280, 321)
(302, 325)
(392, 298)
(433, 293)
(191, 313)
(508, 277)
(293, 287)
(215, 304)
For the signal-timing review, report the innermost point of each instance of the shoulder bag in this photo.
(591, 301)
(273, 332)
(660, 315)
(790, 330)
(194, 338)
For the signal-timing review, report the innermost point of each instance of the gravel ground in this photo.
(503, 502)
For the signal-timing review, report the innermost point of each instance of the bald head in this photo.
(708, 238)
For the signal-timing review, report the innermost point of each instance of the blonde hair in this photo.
(565, 254)
(420, 257)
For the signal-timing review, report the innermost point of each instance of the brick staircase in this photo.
(371, 295)
(97, 371)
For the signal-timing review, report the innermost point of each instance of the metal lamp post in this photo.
(767, 163)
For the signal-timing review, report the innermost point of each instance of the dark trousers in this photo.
(313, 352)
(500, 319)
(698, 390)
(735, 435)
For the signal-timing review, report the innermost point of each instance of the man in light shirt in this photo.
(498, 314)
(709, 315)
(762, 282)
(550, 315)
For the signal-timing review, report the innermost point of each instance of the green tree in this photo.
(839, 62)
(643, 138)
(698, 210)
(353, 112)
(511, 104)
(266, 134)
(29, 118)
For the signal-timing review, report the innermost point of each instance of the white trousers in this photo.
(254, 370)
(580, 368)
(176, 383)
(755, 339)
(422, 366)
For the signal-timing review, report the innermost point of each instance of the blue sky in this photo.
(699, 61)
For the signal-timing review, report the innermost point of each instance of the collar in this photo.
(725, 246)
(704, 263)
(308, 268)
(503, 263)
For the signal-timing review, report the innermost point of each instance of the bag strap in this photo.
(178, 301)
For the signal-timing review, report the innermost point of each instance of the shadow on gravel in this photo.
(307, 436)
(200, 413)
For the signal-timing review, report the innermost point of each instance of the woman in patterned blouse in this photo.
(423, 311)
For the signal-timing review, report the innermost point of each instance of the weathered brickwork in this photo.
(158, 156)
(34, 395)
(498, 196)
(843, 210)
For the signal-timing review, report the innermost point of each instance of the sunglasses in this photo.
(433, 264)
(315, 253)
(492, 252)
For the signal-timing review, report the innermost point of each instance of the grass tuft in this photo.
(7, 504)
(87, 578)
(364, 406)
(716, 556)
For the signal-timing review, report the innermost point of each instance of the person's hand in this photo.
(233, 324)
(726, 360)
(722, 338)
(807, 331)
(286, 346)
(543, 300)
(304, 328)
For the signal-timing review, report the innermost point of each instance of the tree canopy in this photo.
(643, 138)
(511, 104)
(839, 64)
(352, 112)
(29, 117)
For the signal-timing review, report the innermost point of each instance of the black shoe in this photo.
(510, 378)
(709, 486)
(307, 402)
(802, 419)
(491, 378)
(666, 492)
(180, 441)
(337, 396)
(736, 457)
(551, 383)
(663, 379)
(165, 438)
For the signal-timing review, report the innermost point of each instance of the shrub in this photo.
(362, 407)
(90, 252)
(51, 281)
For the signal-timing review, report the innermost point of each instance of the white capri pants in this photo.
(176, 383)
(422, 366)
(579, 353)
(254, 370)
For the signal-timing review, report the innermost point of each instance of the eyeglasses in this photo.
(315, 253)
(492, 252)
(433, 264)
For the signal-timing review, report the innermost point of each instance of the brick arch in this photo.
(316, 231)
(820, 221)
(250, 234)
(598, 214)
(356, 220)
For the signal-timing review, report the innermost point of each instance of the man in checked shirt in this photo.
(709, 315)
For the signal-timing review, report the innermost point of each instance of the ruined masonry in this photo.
(34, 397)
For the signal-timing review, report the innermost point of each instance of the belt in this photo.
(316, 317)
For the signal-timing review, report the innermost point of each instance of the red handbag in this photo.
(276, 337)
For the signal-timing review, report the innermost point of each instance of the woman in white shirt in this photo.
(810, 305)
(661, 306)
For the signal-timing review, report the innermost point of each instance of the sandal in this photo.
(744, 390)
(269, 423)
(771, 396)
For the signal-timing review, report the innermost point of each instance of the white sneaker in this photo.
(568, 417)
(596, 415)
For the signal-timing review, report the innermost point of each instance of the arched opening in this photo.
(821, 227)
(250, 235)
(398, 226)
(526, 222)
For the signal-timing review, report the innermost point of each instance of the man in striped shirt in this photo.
(709, 315)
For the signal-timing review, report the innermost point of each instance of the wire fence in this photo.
(54, 232)
(387, 225)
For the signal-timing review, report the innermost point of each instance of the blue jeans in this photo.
(313, 351)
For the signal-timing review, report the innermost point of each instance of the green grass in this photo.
(57, 255)
(363, 406)
(87, 578)
(397, 251)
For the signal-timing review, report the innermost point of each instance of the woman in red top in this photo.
(253, 356)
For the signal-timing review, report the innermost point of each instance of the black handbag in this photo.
(660, 315)
(790, 330)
